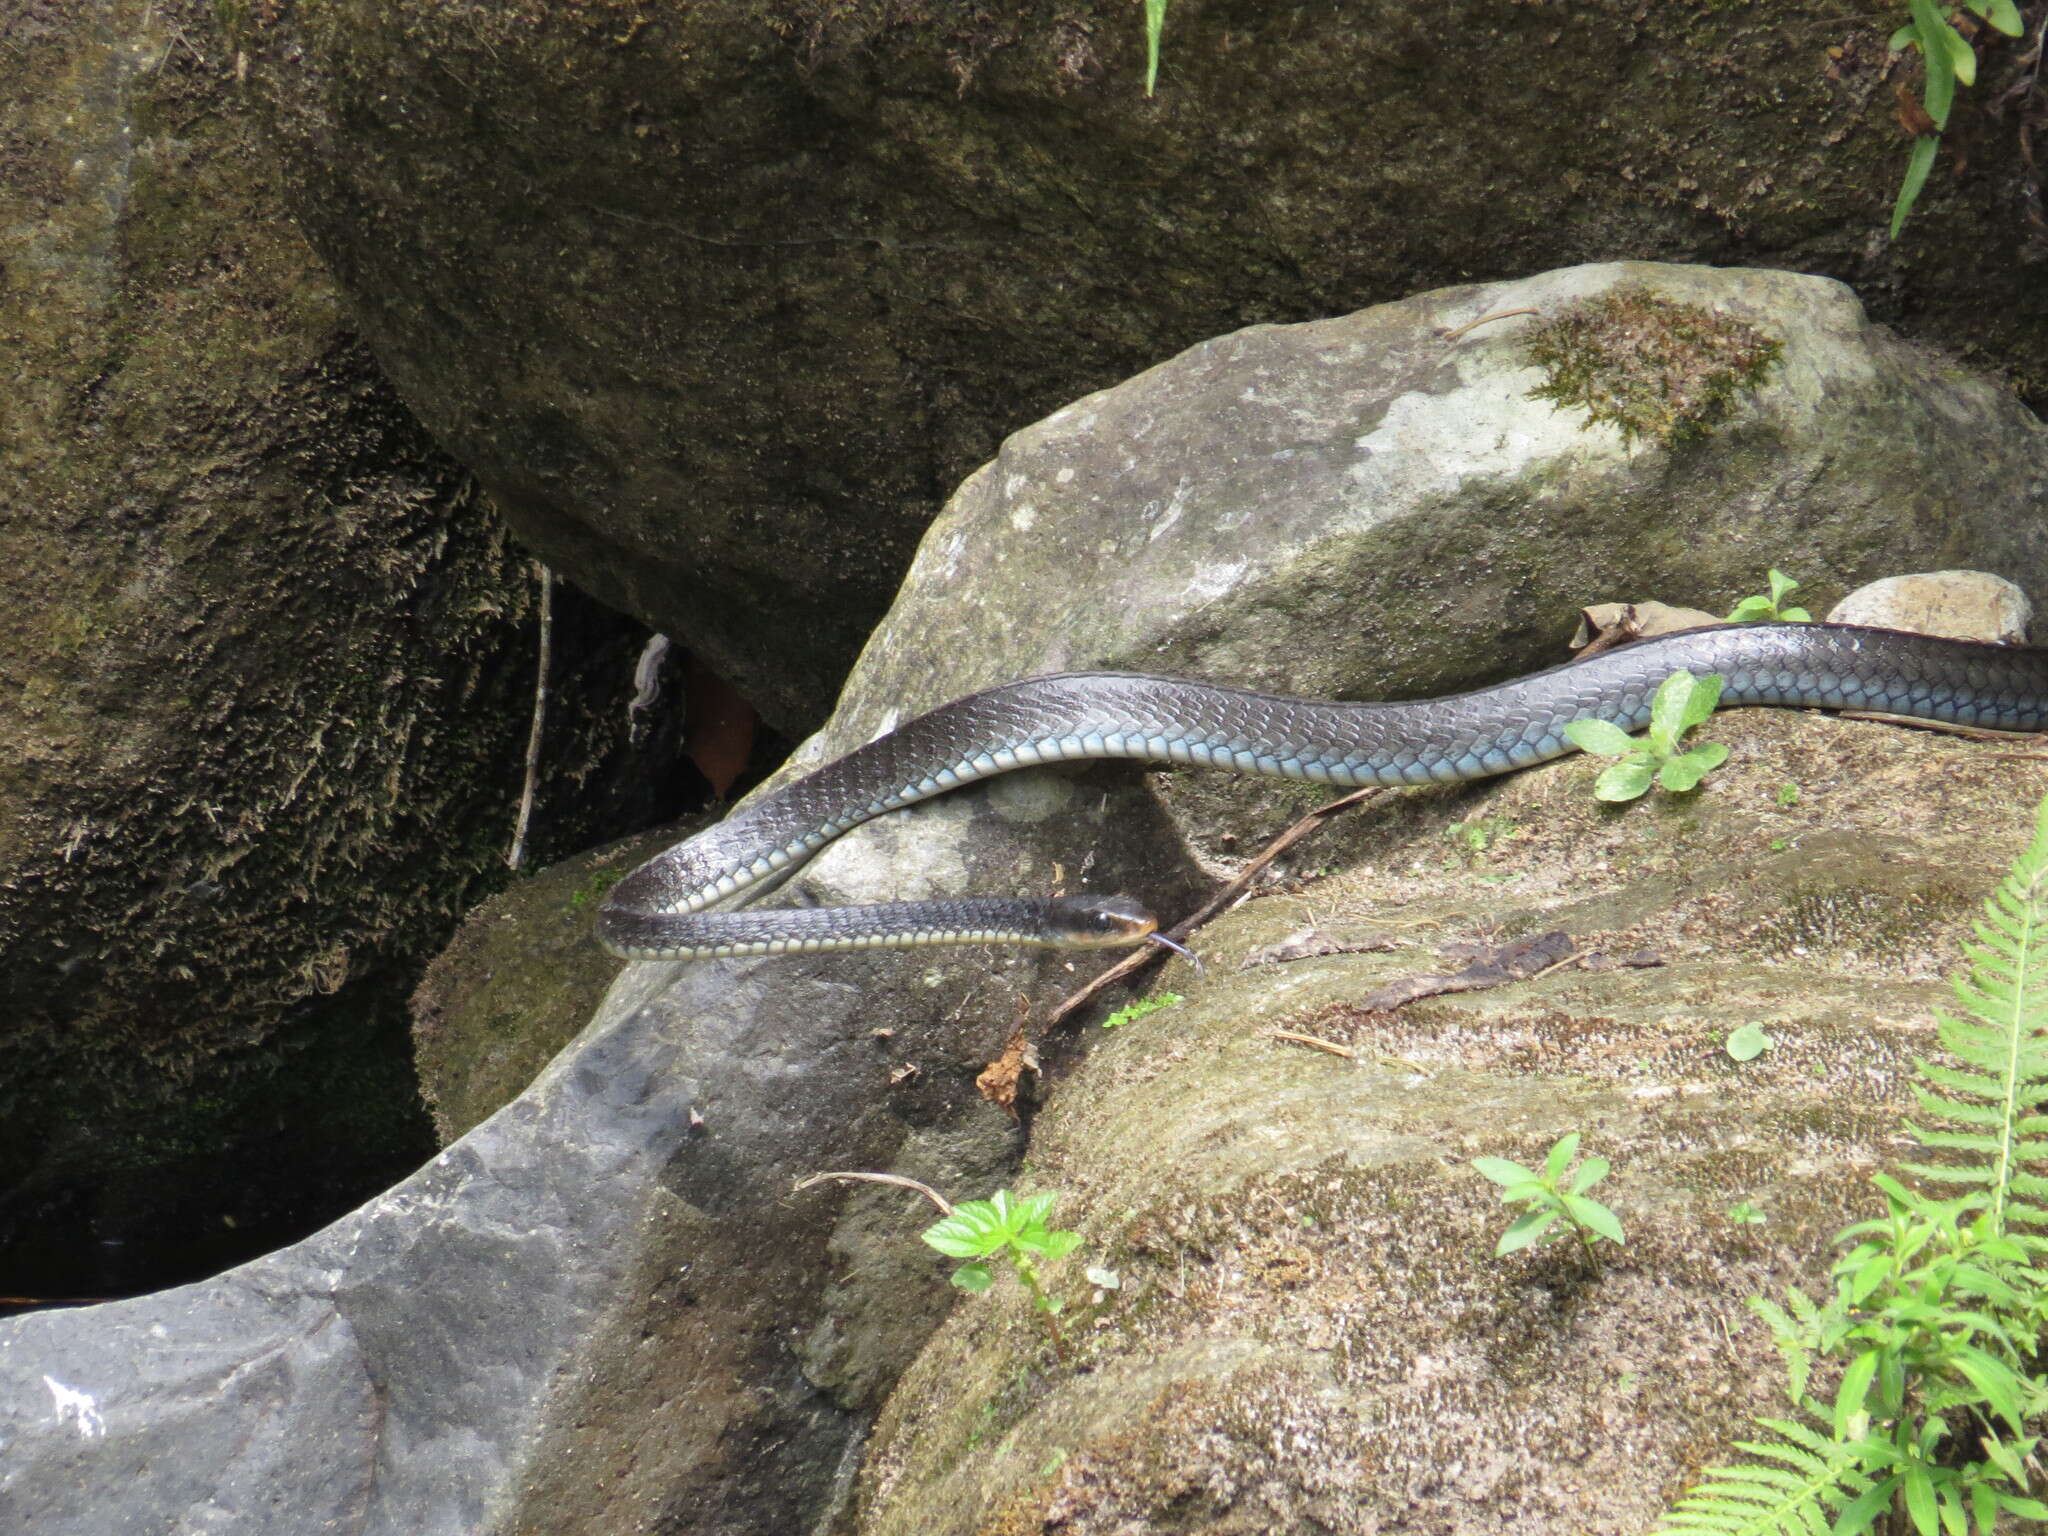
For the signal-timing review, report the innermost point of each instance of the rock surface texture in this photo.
(722, 300)
(267, 669)
(603, 1310)
(1311, 1333)
(259, 725)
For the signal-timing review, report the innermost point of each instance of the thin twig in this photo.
(1320, 1044)
(1946, 728)
(517, 856)
(1182, 930)
(945, 1206)
(1504, 314)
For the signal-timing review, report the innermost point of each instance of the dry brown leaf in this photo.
(1002, 1079)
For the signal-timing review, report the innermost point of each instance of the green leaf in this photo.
(1628, 779)
(1749, 610)
(1918, 164)
(973, 1277)
(1748, 1042)
(1714, 753)
(1862, 1514)
(969, 1233)
(1595, 1217)
(1526, 1230)
(1155, 27)
(1782, 587)
(1669, 709)
(1920, 1501)
(1962, 56)
(1701, 700)
(1935, 33)
(1589, 1173)
(1057, 1245)
(1032, 1210)
(1685, 771)
(1795, 616)
(1855, 1387)
(1559, 1158)
(1997, 1382)
(1131, 1012)
(2003, 15)
(1501, 1171)
(1603, 738)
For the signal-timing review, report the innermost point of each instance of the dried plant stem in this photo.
(945, 1206)
(517, 856)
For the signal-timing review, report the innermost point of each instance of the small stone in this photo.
(1962, 605)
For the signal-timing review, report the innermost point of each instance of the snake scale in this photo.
(656, 912)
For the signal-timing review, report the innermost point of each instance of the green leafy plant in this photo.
(1556, 1194)
(1682, 702)
(1155, 28)
(1951, 61)
(1005, 1229)
(1747, 1042)
(1144, 1005)
(1746, 1213)
(1475, 837)
(1758, 609)
(1787, 796)
(1938, 1307)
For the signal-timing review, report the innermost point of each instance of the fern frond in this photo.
(1987, 1111)
(1790, 1489)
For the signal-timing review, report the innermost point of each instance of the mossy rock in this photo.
(1311, 1332)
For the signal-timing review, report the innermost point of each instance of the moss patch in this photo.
(1652, 367)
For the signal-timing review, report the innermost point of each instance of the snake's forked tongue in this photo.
(1156, 937)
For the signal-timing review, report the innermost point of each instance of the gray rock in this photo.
(721, 301)
(1965, 605)
(613, 1319)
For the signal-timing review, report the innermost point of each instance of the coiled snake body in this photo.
(656, 913)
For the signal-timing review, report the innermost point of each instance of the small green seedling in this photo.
(986, 1232)
(1758, 609)
(1951, 61)
(1746, 1213)
(1787, 796)
(1682, 702)
(1480, 834)
(1550, 1197)
(1131, 1012)
(1747, 1043)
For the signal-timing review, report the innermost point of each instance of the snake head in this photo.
(1099, 922)
(1107, 922)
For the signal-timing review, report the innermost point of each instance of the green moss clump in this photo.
(1653, 367)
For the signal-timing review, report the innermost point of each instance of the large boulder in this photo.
(1310, 1331)
(266, 675)
(604, 1309)
(721, 300)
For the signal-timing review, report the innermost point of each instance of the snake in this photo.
(657, 912)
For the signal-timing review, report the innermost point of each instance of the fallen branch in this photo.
(1182, 930)
(945, 1206)
(517, 856)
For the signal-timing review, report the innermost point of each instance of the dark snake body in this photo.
(656, 912)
